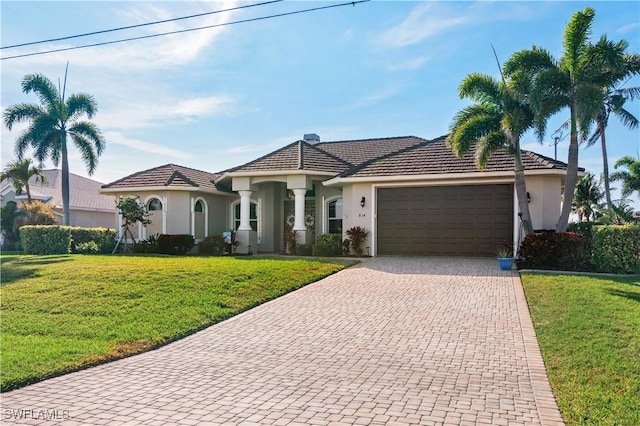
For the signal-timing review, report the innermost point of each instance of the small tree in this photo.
(132, 212)
(9, 226)
(357, 236)
(37, 213)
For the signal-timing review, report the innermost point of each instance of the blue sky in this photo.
(217, 98)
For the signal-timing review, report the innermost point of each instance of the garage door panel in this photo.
(470, 220)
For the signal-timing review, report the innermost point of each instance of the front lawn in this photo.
(63, 313)
(588, 329)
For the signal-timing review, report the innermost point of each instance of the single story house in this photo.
(87, 207)
(412, 194)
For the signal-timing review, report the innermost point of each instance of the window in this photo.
(154, 205)
(253, 216)
(335, 216)
(199, 207)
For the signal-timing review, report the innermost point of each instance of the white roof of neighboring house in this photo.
(84, 193)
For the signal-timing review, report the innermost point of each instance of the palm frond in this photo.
(20, 112)
(91, 132)
(576, 39)
(87, 152)
(487, 146)
(481, 88)
(80, 104)
(531, 61)
(44, 89)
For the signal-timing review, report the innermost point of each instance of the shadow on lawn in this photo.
(635, 296)
(17, 267)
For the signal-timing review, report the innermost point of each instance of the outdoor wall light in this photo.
(528, 197)
(362, 202)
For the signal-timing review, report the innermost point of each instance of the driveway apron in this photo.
(393, 340)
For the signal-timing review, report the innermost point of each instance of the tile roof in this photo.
(362, 150)
(298, 155)
(168, 175)
(84, 193)
(434, 157)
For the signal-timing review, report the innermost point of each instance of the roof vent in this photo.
(311, 138)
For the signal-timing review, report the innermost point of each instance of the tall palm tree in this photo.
(575, 81)
(20, 172)
(630, 178)
(614, 96)
(587, 197)
(51, 123)
(495, 121)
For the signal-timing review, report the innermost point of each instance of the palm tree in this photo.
(51, 122)
(495, 121)
(630, 178)
(575, 81)
(614, 96)
(20, 172)
(587, 197)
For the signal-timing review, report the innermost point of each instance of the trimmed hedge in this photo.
(213, 245)
(175, 243)
(45, 239)
(584, 228)
(55, 239)
(304, 250)
(616, 248)
(327, 245)
(568, 251)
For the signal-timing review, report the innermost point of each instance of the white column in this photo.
(299, 194)
(245, 210)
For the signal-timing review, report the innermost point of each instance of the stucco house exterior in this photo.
(412, 194)
(87, 207)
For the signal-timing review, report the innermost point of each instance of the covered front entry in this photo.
(468, 220)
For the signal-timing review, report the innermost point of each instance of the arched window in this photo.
(199, 207)
(154, 205)
(334, 216)
(253, 216)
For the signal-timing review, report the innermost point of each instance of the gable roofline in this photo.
(165, 177)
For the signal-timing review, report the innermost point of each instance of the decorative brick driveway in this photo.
(391, 341)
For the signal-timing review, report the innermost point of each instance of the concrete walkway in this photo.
(423, 341)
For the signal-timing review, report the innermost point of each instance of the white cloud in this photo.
(424, 21)
(153, 53)
(116, 138)
(411, 64)
(373, 98)
(628, 28)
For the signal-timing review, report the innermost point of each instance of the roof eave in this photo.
(338, 181)
(119, 190)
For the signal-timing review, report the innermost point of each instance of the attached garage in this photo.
(467, 220)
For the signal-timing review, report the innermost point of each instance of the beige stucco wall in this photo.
(546, 192)
(92, 219)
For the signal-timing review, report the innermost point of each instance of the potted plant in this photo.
(505, 257)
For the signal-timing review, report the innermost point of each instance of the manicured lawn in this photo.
(63, 313)
(589, 333)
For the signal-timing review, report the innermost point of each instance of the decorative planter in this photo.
(506, 263)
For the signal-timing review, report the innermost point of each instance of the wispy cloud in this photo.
(373, 98)
(423, 22)
(628, 28)
(117, 138)
(408, 65)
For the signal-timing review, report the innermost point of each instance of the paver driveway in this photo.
(390, 341)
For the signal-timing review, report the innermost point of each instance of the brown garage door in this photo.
(470, 220)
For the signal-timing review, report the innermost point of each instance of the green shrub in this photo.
(327, 245)
(213, 245)
(87, 248)
(584, 228)
(45, 239)
(175, 243)
(568, 251)
(304, 250)
(616, 248)
(105, 239)
(326, 250)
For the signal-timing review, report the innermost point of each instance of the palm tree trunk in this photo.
(572, 176)
(65, 179)
(26, 187)
(605, 169)
(521, 190)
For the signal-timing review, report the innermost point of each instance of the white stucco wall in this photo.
(545, 192)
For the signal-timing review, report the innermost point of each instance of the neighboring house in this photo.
(412, 195)
(87, 207)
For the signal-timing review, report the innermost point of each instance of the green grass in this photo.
(588, 329)
(64, 313)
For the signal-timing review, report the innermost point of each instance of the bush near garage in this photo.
(616, 248)
(569, 251)
(54, 239)
(214, 245)
(327, 245)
